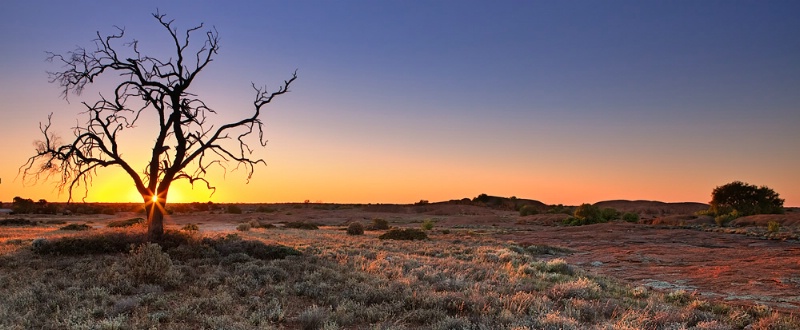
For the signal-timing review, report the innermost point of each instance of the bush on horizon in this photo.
(745, 199)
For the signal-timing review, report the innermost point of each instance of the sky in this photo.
(397, 101)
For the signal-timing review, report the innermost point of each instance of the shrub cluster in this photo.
(630, 217)
(17, 222)
(76, 226)
(125, 223)
(527, 210)
(233, 209)
(587, 214)
(301, 225)
(355, 228)
(409, 234)
(379, 224)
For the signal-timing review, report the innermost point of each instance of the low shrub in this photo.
(427, 224)
(379, 224)
(243, 227)
(773, 226)
(301, 225)
(125, 223)
(232, 244)
(255, 224)
(404, 234)
(355, 228)
(109, 242)
(191, 227)
(630, 217)
(76, 226)
(527, 210)
(17, 222)
(724, 219)
(608, 214)
(55, 222)
(233, 209)
(147, 264)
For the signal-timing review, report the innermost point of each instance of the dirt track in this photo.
(735, 268)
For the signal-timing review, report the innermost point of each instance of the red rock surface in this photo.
(717, 266)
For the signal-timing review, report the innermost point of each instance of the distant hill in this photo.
(499, 203)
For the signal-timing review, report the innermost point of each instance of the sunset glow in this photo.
(400, 101)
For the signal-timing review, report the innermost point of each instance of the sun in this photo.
(154, 198)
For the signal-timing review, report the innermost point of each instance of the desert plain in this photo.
(480, 267)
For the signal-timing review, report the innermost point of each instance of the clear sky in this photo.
(397, 101)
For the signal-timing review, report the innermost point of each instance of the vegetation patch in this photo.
(378, 224)
(408, 234)
(17, 222)
(355, 228)
(125, 223)
(76, 226)
(301, 225)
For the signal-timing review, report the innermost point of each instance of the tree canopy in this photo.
(745, 199)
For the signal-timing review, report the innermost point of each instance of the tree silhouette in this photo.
(745, 199)
(186, 144)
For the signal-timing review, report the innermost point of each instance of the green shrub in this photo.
(301, 225)
(587, 214)
(404, 234)
(125, 223)
(427, 224)
(773, 226)
(630, 217)
(234, 209)
(527, 210)
(608, 214)
(355, 228)
(723, 219)
(745, 199)
(76, 226)
(379, 224)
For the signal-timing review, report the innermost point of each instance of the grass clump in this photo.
(76, 227)
(355, 228)
(773, 226)
(301, 225)
(125, 223)
(243, 227)
(408, 234)
(427, 224)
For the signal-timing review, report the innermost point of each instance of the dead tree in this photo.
(151, 87)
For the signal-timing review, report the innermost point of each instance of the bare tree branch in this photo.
(186, 145)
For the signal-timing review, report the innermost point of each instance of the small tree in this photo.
(745, 199)
(186, 144)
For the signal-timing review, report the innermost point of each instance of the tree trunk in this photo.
(155, 221)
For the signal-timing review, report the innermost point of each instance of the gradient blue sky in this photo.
(397, 101)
